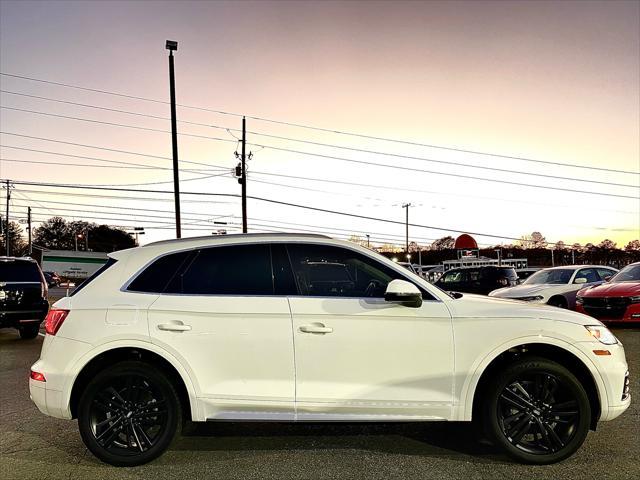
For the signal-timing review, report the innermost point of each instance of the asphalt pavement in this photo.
(35, 446)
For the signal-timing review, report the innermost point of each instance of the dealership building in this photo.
(71, 264)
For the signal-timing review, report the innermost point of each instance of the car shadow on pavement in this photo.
(438, 439)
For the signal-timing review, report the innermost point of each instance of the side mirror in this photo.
(580, 280)
(608, 278)
(403, 292)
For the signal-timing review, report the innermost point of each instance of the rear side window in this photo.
(19, 271)
(508, 273)
(233, 270)
(455, 277)
(97, 273)
(156, 277)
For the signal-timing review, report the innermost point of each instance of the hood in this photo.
(619, 289)
(522, 290)
(479, 306)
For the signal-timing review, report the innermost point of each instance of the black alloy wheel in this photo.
(128, 414)
(538, 411)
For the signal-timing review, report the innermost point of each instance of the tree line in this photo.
(59, 234)
(535, 249)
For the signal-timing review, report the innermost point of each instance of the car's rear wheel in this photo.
(27, 332)
(128, 414)
(537, 411)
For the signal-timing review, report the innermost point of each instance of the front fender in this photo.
(470, 384)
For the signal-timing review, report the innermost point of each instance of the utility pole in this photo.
(244, 176)
(7, 232)
(171, 46)
(407, 205)
(29, 229)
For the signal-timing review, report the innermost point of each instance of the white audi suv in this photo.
(279, 327)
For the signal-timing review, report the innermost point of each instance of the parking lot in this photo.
(35, 446)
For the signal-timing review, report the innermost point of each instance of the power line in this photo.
(353, 149)
(268, 200)
(117, 162)
(327, 130)
(112, 124)
(363, 162)
(387, 187)
(107, 149)
(469, 177)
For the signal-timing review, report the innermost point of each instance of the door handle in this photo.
(174, 327)
(316, 328)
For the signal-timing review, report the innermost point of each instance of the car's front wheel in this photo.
(537, 411)
(128, 414)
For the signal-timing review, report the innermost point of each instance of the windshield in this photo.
(556, 277)
(630, 273)
(19, 271)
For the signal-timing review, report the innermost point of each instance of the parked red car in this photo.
(618, 300)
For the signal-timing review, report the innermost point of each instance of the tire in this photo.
(29, 332)
(128, 414)
(537, 411)
(559, 302)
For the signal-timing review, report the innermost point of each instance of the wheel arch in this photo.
(116, 353)
(565, 355)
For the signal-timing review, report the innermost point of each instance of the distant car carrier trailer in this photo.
(71, 264)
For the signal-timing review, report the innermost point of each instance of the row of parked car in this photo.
(599, 291)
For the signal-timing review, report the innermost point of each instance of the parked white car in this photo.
(557, 286)
(307, 328)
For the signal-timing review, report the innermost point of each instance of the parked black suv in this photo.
(23, 296)
(480, 280)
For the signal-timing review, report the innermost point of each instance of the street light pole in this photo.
(171, 46)
(406, 206)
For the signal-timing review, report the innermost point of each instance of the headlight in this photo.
(602, 333)
(530, 299)
(635, 299)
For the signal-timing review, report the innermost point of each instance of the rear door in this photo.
(221, 316)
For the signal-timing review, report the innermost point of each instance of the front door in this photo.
(357, 356)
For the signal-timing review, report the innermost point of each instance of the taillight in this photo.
(37, 376)
(54, 320)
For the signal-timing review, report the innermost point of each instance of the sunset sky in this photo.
(555, 82)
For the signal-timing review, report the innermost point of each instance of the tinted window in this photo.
(232, 270)
(605, 272)
(283, 281)
(19, 271)
(589, 274)
(156, 277)
(328, 271)
(555, 276)
(455, 277)
(630, 273)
